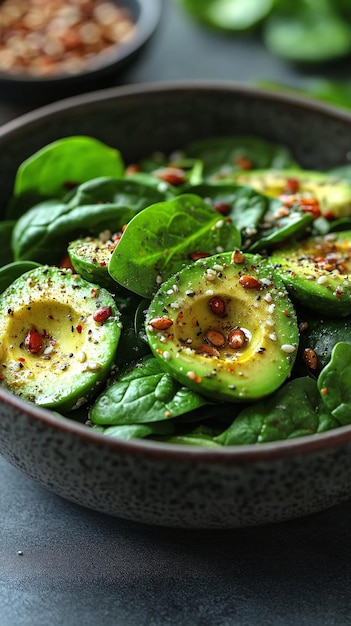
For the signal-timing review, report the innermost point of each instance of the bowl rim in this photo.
(146, 23)
(229, 455)
(153, 88)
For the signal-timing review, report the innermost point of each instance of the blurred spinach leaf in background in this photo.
(301, 31)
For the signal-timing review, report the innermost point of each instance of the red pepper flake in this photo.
(287, 313)
(79, 328)
(222, 207)
(101, 315)
(133, 168)
(243, 162)
(292, 185)
(171, 175)
(324, 391)
(1, 376)
(22, 359)
(70, 184)
(33, 341)
(192, 376)
(195, 256)
(329, 215)
(310, 205)
(94, 292)
(66, 263)
(102, 263)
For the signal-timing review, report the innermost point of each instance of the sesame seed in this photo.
(288, 348)
(268, 297)
(81, 356)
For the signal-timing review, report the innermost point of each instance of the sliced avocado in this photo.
(90, 257)
(317, 272)
(58, 337)
(332, 194)
(225, 327)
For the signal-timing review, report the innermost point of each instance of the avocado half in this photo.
(332, 194)
(225, 327)
(58, 337)
(317, 272)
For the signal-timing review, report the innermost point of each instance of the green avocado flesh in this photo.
(317, 272)
(90, 257)
(333, 194)
(225, 327)
(52, 350)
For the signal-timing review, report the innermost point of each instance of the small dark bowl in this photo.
(147, 481)
(42, 89)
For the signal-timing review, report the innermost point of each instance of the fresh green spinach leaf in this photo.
(137, 431)
(229, 15)
(223, 157)
(42, 234)
(142, 394)
(294, 410)
(11, 271)
(334, 383)
(307, 31)
(123, 192)
(160, 240)
(66, 162)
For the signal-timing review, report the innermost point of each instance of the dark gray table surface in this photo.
(64, 565)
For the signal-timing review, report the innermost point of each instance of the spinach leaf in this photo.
(322, 334)
(67, 162)
(277, 230)
(18, 205)
(245, 206)
(307, 31)
(160, 240)
(11, 271)
(195, 438)
(123, 192)
(137, 431)
(43, 233)
(334, 383)
(143, 394)
(144, 178)
(334, 92)
(222, 157)
(294, 410)
(131, 345)
(6, 229)
(229, 15)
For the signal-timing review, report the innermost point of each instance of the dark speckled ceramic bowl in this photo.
(148, 481)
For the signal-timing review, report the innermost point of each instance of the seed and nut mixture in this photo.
(44, 38)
